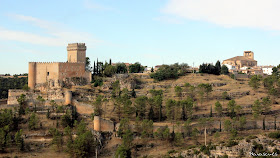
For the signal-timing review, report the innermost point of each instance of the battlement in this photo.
(54, 62)
(76, 46)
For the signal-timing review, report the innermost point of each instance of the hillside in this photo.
(171, 130)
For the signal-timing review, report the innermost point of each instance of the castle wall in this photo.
(102, 124)
(68, 70)
(58, 95)
(31, 75)
(46, 71)
(13, 95)
(51, 74)
(45, 75)
(68, 97)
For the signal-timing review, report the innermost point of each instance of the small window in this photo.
(48, 73)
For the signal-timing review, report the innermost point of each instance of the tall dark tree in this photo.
(88, 67)
(94, 68)
(136, 68)
(224, 70)
(97, 67)
(110, 62)
(218, 68)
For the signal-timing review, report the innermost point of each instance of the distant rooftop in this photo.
(240, 58)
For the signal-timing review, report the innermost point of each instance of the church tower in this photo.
(249, 54)
(76, 52)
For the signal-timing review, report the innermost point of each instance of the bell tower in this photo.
(249, 54)
(76, 52)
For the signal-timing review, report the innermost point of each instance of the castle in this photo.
(48, 79)
(42, 75)
(247, 60)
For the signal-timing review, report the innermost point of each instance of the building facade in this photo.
(247, 60)
(55, 74)
(268, 70)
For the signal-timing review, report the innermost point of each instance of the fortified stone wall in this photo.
(52, 74)
(13, 95)
(46, 71)
(103, 125)
(58, 95)
(68, 70)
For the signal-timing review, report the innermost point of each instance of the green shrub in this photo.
(231, 143)
(250, 137)
(98, 82)
(274, 135)
(169, 72)
(172, 151)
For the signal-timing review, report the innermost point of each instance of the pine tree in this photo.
(211, 113)
(33, 121)
(19, 140)
(151, 113)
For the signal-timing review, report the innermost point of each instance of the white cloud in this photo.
(262, 14)
(55, 34)
(93, 5)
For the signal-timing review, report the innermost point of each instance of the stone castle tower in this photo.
(53, 74)
(249, 54)
(76, 52)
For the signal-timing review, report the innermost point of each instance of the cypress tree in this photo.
(218, 68)
(94, 68)
(110, 62)
(97, 67)
(211, 113)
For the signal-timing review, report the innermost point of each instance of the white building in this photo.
(148, 69)
(230, 67)
(244, 68)
(267, 70)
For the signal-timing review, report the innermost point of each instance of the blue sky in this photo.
(152, 32)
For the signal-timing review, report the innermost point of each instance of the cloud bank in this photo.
(52, 33)
(261, 14)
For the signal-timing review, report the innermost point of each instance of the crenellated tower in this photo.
(31, 75)
(76, 52)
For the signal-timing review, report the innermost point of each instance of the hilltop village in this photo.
(76, 109)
